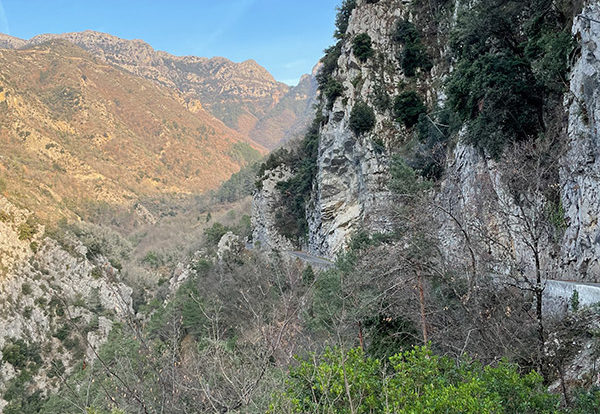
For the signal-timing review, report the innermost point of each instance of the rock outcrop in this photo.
(265, 204)
(55, 296)
(580, 173)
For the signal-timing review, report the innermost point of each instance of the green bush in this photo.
(295, 192)
(510, 67)
(213, 234)
(361, 47)
(342, 17)
(405, 180)
(408, 106)
(26, 289)
(417, 381)
(332, 91)
(362, 118)
(27, 229)
(413, 55)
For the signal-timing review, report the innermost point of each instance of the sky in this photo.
(285, 36)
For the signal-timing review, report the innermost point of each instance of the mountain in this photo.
(76, 129)
(245, 96)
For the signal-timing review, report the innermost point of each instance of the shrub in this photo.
(332, 91)
(343, 16)
(405, 180)
(213, 234)
(416, 381)
(362, 118)
(361, 47)
(27, 229)
(413, 54)
(511, 61)
(26, 289)
(295, 192)
(408, 106)
(329, 64)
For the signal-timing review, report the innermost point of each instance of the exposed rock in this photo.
(50, 288)
(229, 244)
(265, 204)
(580, 175)
(351, 191)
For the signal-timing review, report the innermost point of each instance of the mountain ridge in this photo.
(243, 95)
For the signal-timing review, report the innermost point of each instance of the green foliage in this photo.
(153, 259)
(295, 192)
(405, 180)
(26, 289)
(362, 118)
(243, 153)
(342, 17)
(511, 61)
(27, 229)
(419, 382)
(213, 234)
(333, 89)
(586, 401)
(239, 186)
(361, 47)
(21, 355)
(329, 64)
(574, 300)
(408, 106)
(413, 55)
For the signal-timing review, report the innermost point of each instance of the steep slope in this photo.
(385, 105)
(242, 95)
(75, 129)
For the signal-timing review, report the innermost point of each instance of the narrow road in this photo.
(557, 294)
(310, 259)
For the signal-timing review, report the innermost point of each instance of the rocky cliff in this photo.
(474, 196)
(580, 179)
(59, 295)
(245, 96)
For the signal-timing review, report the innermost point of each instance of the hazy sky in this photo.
(285, 36)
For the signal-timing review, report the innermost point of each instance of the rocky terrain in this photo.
(243, 95)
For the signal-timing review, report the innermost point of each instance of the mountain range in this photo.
(91, 117)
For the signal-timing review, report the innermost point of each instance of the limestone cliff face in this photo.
(580, 174)
(265, 203)
(350, 190)
(244, 95)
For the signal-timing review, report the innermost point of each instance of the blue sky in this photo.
(285, 36)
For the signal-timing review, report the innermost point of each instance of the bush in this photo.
(295, 192)
(332, 91)
(511, 62)
(413, 54)
(342, 17)
(213, 234)
(408, 106)
(416, 381)
(362, 118)
(361, 47)
(27, 229)
(329, 64)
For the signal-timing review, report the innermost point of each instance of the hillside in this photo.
(76, 130)
(245, 96)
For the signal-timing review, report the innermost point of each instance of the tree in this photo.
(361, 47)
(362, 118)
